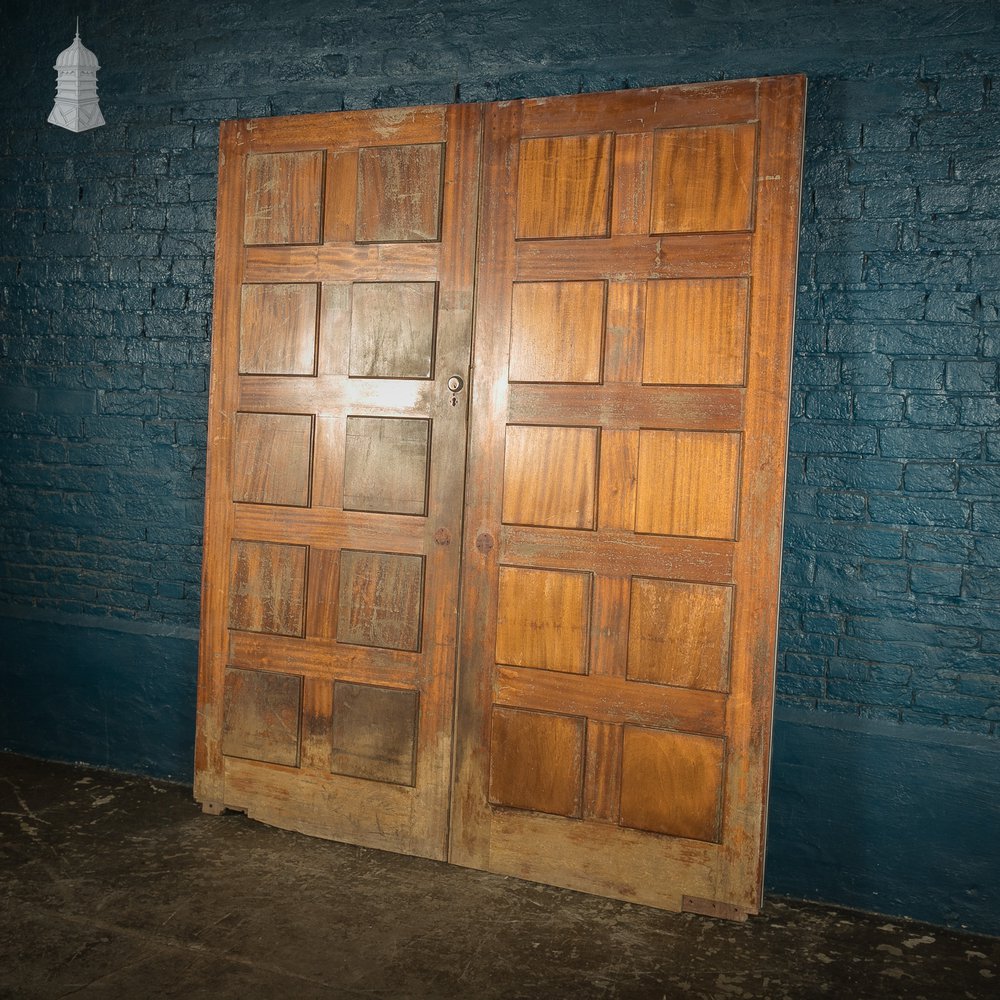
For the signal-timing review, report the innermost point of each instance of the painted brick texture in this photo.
(890, 592)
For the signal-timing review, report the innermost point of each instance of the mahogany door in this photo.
(635, 290)
(617, 573)
(344, 293)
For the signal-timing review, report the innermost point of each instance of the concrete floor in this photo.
(115, 886)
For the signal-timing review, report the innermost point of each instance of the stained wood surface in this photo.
(543, 619)
(278, 329)
(374, 732)
(284, 193)
(272, 458)
(621, 500)
(703, 179)
(549, 477)
(557, 331)
(687, 483)
(536, 761)
(695, 331)
(386, 463)
(392, 329)
(680, 633)
(344, 294)
(399, 193)
(563, 186)
(672, 783)
(648, 462)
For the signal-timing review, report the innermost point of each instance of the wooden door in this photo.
(344, 293)
(635, 293)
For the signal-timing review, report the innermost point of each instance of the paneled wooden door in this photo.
(635, 293)
(344, 294)
(618, 579)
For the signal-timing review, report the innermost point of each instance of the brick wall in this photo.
(890, 612)
(889, 603)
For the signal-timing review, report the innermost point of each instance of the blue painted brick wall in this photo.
(889, 601)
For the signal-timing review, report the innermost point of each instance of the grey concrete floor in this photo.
(117, 886)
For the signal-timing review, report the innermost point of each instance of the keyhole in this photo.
(454, 401)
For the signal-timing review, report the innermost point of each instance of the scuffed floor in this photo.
(113, 886)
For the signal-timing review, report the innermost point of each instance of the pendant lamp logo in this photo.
(76, 106)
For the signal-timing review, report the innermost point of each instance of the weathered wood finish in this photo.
(610, 726)
(344, 294)
(278, 329)
(284, 195)
(399, 193)
(649, 463)
(273, 456)
(392, 329)
(680, 634)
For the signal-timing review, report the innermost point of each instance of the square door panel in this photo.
(672, 783)
(696, 332)
(267, 589)
(380, 600)
(272, 454)
(557, 331)
(688, 483)
(679, 633)
(550, 476)
(385, 464)
(399, 193)
(543, 619)
(564, 186)
(278, 329)
(374, 732)
(261, 712)
(536, 761)
(284, 198)
(392, 329)
(704, 179)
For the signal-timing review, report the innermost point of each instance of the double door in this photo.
(496, 455)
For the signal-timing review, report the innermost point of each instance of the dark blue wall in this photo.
(887, 757)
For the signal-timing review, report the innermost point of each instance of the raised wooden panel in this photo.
(278, 329)
(385, 464)
(543, 619)
(374, 732)
(557, 331)
(261, 716)
(284, 198)
(392, 329)
(704, 179)
(381, 599)
(399, 194)
(679, 634)
(272, 455)
(549, 476)
(688, 483)
(536, 761)
(695, 332)
(564, 186)
(267, 587)
(672, 783)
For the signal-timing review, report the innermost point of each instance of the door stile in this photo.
(470, 814)
(757, 557)
(223, 401)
